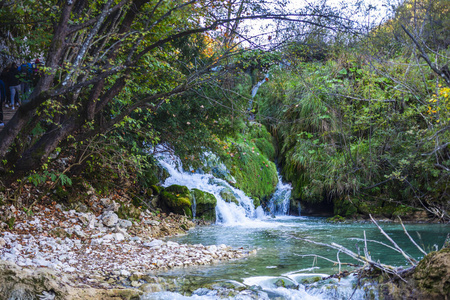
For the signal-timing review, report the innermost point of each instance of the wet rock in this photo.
(136, 276)
(2, 242)
(151, 288)
(177, 199)
(205, 205)
(228, 195)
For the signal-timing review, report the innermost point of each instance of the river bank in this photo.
(86, 255)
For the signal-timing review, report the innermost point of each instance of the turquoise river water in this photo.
(284, 266)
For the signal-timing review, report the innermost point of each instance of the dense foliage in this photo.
(360, 118)
(367, 131)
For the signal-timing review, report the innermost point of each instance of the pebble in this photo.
(154, 243)
(97, 252)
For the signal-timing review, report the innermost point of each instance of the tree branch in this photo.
(424, 55)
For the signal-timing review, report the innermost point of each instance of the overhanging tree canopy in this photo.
(106, 59)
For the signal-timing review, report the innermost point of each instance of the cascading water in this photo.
(193, 207)
(280, 201)
(226, 212)
(284, 267)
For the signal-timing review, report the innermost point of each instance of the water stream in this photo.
(283, 267)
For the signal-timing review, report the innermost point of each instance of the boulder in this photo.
(109, 218)
(177, 199)
(205, 205)
(128, 211)
(124, 223)
(432, 274)
(43, 283)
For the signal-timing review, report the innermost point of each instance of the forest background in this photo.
(358, 113)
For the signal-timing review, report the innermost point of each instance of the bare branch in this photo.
(411, 239)
(424, 55)
(411, 260)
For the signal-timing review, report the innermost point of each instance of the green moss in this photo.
(156, 189)
(247, 157)
(179, 189)
(205, 205)
(310, 280)
(336, 219)
(432, 274)
(176, 199)
(128, 211)
(228, 196)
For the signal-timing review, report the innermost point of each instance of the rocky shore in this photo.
(55, 253)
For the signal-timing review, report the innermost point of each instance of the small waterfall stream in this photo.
(227, 213)
(280, 201)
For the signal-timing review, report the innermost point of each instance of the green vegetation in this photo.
(365, 132)
(205, 205)
(357, 122)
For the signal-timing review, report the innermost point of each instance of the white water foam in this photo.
(280, 201)
(226, 213)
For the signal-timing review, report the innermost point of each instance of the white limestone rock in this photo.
(109, 218)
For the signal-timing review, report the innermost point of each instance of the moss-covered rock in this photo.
(205, 205)
(156, 190)
(128, 211)
(228, 195)
(262, 139)
(432, 274)
(248, 159)
(176, 199)
(336, 219)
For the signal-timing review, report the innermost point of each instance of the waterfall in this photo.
(193, 207)
(226, 212)
(280, 201)
(255, 90)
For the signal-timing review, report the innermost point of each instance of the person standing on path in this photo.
(13, 81)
